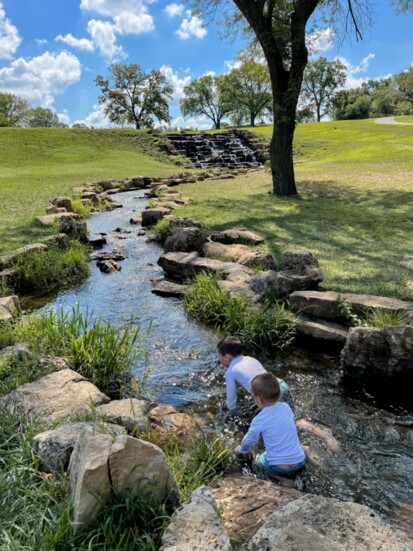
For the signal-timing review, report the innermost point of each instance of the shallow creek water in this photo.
(361, 452)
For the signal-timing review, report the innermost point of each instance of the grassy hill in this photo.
(354, 211)
(40, 163)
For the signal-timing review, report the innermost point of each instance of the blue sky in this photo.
(52, 50)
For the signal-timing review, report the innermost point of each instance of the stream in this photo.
(361, 452)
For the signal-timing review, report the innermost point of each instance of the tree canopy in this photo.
(132, 96)
(42, 117)
(205, 96)
(13, 110)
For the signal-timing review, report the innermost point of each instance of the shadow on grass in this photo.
(19, 234)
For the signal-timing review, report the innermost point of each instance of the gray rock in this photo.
(196, 526)
(74, 229)
(241, 254)
(190, 264)
(151, 216)
(108, 266)
(90, 484)
(322, 331)
(134, 464)
(299, 263)
(379, 358)
(169, 423)
(50, 219)
(325, 305)
(62, 202)
(326, 524)
(9, 308)
(19, 351)
(237, 236)
(185, 240)
(166, 288)
(178, 222)
(130, 413)
(55, 396)
(54, 447)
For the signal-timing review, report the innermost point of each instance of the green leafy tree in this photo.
(404, 82)
(351, 104)
(131, 96)
(42, 117)
(280, 28)
(248, 89)
(205, 96)
(13, 110)
(321, 80)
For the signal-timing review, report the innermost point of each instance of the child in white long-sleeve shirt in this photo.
(275, 424)
(242, 370)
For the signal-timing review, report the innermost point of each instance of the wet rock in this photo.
(246, 502)
(170, 424)
(327, 524)
(74, 229)
(237, 236)
(325, 305)
(167, 288)
(151, 216)
(129, 413)
(55, 396)
(9, 308)
(97, 242)
(185, 240)
(7, 259)
(241, 254)
(196, 526)
(380, 358)
(108, 266)
(54, 447)
(111, 255)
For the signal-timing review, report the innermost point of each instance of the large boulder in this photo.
(327, 524)
(185, 240)
(188, 265)
(129, 412)
(62, 202)
(55, 396)
(237, 236)
(134, 464)
(324, 304)
(168, 423)
(151, 216)
(74, 229)
(9, 308)
(246, 502)
(241, 254)
(323, 331)
(90, 483)
(54, 447)
(196, 526)
(380, 358)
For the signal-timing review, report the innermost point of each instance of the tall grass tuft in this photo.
(202, 463)
(80, 208)
(374, 317)
(55, 267)
(270, 325)
(100, 352)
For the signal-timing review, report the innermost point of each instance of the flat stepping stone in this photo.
(59, 395)
(50, 219)
(165, 288)
(241, 254)
(237, 236)
(321, 330)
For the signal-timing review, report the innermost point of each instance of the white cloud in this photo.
(320, 41)
(81, 43)
(130, 23)
(200, 123)
(192, 25)
(177, 83)
(103, 36)
(96, 118)
(40, 41)
(174, 9)
(64, 117)
(9, 36)
(231, 64)
(353, 81)
(40, 78)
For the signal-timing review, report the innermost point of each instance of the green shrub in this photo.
(161, 230)
(374, 317)
(268, 326)
(80, 208)
(100, 352)
(54, 267)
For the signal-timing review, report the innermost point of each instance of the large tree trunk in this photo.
(252, 119)
(281, 155)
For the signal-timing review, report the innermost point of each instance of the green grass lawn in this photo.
(38, 164)
(405, 118)
(354, 210)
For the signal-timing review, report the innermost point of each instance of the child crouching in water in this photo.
(275, 423)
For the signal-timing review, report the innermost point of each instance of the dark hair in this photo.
(266, 386)
(230, 345)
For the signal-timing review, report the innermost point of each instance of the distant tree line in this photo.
(16, 111)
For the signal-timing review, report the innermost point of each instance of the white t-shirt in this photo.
(241, 370)
(276, 425)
